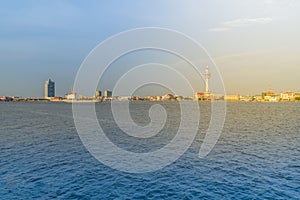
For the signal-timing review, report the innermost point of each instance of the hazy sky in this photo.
(255, 43)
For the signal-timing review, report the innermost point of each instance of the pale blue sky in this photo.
(255, 43)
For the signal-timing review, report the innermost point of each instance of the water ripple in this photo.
(257, 157)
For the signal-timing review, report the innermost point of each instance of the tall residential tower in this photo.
(49, 90)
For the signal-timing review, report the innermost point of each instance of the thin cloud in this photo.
(234, 56)
(219, 29)
(228, 25)
(247, 21)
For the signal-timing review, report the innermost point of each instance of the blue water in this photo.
(257, 156)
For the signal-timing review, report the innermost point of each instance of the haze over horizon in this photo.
(255, 44)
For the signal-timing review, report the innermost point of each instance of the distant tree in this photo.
(297, 98)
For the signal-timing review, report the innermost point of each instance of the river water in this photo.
(256, 157)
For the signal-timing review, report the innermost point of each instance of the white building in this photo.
(287, 96)
(71, 96)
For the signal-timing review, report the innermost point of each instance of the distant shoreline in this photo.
(167, 101)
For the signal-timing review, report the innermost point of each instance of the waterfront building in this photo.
(98, 94)
(217, 97)
(246, 98)
(199, 96)
(270, 96)
(276, 98)
(257, 98)
(235, 97)
(81, 97)
(134, 98)
(123, 98)
(6, 98)
(287, 96)
(107, 93)
(179, 98)
(71, 96)
(56, 99)
(168, 97)
(297, 96)
(49, 89)
(267, 95)
(152, 98)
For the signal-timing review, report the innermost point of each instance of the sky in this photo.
(254, 43)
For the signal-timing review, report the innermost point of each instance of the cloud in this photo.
(219, 29)
(228, 25)
(227, 57)
(247, 21)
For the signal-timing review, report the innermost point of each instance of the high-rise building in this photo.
(49, 89)
(107, 93)
(98, 94)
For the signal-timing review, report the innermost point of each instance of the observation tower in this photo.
(207, 77)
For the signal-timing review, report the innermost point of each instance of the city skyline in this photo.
(254, 43)
(49, 93)
(49, 90)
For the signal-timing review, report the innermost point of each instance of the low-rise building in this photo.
(121, 98)
(217, 97)
(168, 97)
(6, 98)
(152, 98)
(56, 99)
(257, 98)
(71, 96)
(297, 96)
(134, 98)
(287, 96)
(199, 96)
(270, 96)
(246, 98)
(234, 97)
